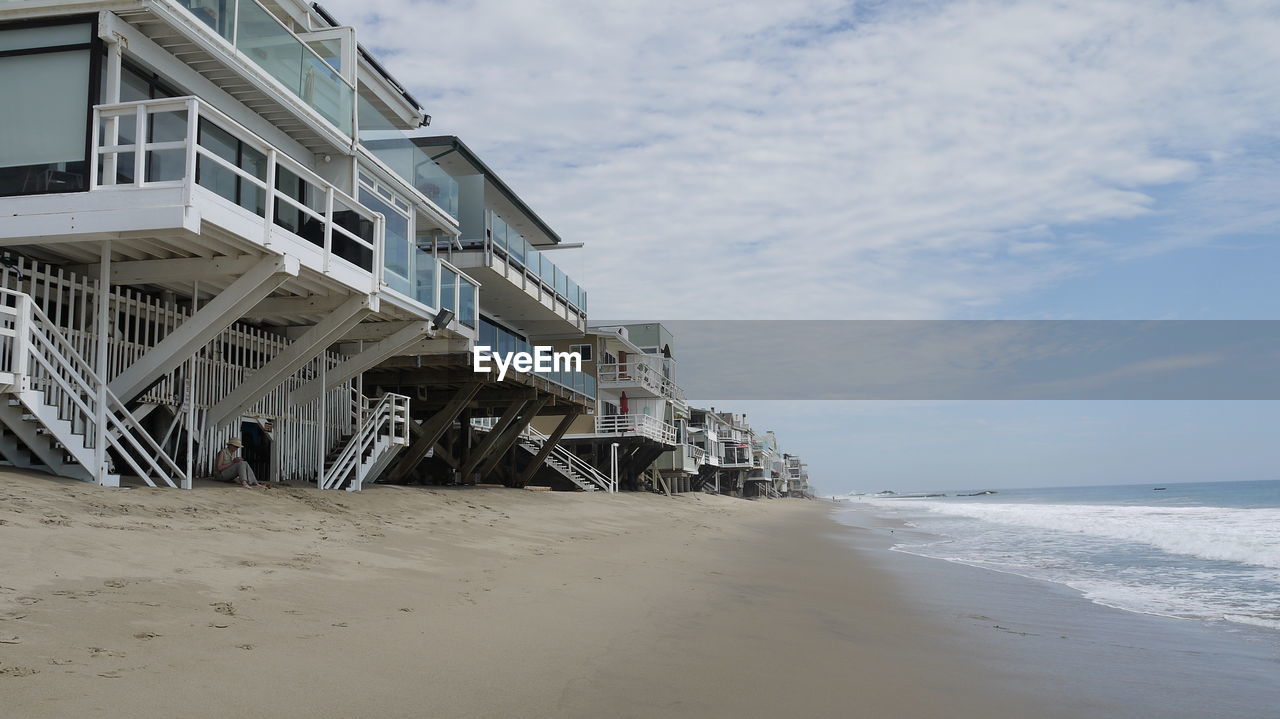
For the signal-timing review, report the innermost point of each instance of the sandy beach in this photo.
(414, 602)
(411, 602)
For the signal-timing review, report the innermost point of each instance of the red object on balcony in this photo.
(622, 404)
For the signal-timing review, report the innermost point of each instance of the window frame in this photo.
(96, 51)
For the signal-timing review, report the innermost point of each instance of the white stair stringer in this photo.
(43, 448)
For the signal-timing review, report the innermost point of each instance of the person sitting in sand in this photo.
(227, 466)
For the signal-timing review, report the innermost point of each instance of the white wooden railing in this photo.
(384, 424)
(638, 372)
(641, 424)
(40, 359)
(161, 143)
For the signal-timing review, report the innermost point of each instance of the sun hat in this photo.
(235, 442)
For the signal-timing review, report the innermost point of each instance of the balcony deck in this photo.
(255, 59)
(165, 199)
(519, 296)
(630, 425)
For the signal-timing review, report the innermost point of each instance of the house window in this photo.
(46, 80)
(583, 351)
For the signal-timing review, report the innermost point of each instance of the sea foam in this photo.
(1244, 536)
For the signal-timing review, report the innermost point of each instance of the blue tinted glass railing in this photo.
(424, 278)
(266, 41)
(504, 342)
(507, 242)
(499, 231)
(467, 303)
(562, 283)
(448, 281)
(414, 166)
(548, 273)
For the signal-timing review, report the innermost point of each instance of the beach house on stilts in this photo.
(734, 440)
(478, 427)
(198, 245)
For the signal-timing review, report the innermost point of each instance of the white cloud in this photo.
(815, 159)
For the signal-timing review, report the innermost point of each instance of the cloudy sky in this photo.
(889, 160)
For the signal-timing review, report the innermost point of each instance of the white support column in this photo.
(311, 344)
(219, 313)
(100, 367)
(321, 447)
(189, 407)
(370, 357)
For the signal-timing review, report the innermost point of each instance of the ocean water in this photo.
(1206, 551)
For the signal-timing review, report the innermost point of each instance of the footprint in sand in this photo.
(145, 635)
(224, 608)
(246, 647)
(115, 583)
(98, 652)
(27, 601)
(17, 671)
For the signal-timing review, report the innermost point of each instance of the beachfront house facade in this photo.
(492, 427)
(796, 476)
(198, 245)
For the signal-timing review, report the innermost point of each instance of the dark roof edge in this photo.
(459, 146)
(377, 66)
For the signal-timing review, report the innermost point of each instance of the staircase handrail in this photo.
(121, 424)
(572, 460)
(558, 452)
(390, 410)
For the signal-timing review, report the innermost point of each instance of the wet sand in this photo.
(413, 602)
(1099, 661)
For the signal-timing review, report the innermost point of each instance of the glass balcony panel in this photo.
(533, 257)
(562, 283)
(217, 14)
(448, 281)
(260, 36)
(548, 272)
(273, 47)
(467, 304)
(518, 250)
(412, 164)
(498, 231)
(434, 182)
(424, 285)
(396, 246)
